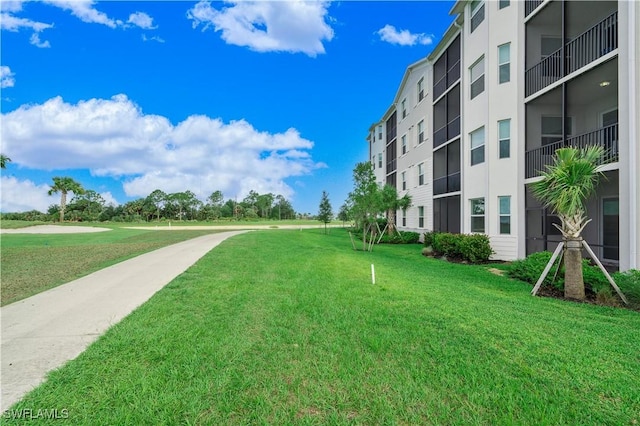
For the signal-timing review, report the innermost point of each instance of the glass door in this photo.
(610, 229)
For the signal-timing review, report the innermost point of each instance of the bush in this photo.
(530, 268)
(629, 283)
(401, 237)
(474, 248)
(427, 239)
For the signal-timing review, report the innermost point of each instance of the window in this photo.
(420, 216)
(505, 214)
(421, 132)
(373, 162)
(551, 127)
(404, 144)
(504, 138)
(477, 146)
(380, 161)
(404, 218)
(477, 78)
(380, 132)
(477, 215)
(404, 108)
(404, 180)
(421, 89)
(503, 3)
(477, 13)
(504, 63)
(421, 174)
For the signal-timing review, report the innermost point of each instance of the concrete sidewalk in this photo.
(43, 332)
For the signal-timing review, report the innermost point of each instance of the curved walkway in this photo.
(43, 332)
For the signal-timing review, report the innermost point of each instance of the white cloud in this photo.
(6, 77)
(113, 137)
(268, 26)
(141, 20)
(154, 38)
(35, 40)
(390, 34)
(109, 199)
(84, 10)
(24, 195)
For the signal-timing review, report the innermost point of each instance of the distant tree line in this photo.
(87, 206)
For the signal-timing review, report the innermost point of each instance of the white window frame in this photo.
(477, 141)
(379, 160)
(403, 144)
(503, 3)
(421, 89)
(477, 67)
(404, 107)
(476, 7)
(504, 64)
(421, 180)
(420, 216)
(504, 139)
(477, 211)
(504, 214)
(420, 132)
(404, 180)
(404, 218)
(380, 132)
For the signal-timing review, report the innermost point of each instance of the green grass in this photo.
(286, 328)
(32, 263)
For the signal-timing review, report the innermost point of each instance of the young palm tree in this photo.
(564, 188)
(391, 202)
(3, 161)
(64, 185)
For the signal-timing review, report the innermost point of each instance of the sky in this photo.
(128, 97)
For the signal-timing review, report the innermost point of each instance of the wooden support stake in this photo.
(604, 271)
(547, 269)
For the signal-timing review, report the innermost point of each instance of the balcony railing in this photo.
(594, 43)
(537, 159)
(530, 6)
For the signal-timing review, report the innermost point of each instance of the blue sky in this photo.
(128, 97)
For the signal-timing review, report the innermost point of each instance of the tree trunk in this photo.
(63, 203)
(573, 279)
(391, 221)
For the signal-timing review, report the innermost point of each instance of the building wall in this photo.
(417, 153)
(494, 177)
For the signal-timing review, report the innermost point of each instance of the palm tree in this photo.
(3, 161)
(391, 202)
(564, 188)
(64, 185)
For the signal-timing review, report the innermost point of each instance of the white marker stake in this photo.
(373, 274)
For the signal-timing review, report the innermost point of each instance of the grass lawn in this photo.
(286, 328)
(32, 263)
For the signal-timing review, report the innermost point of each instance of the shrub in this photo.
(401, 237)
(427, 238)
(530, 268)
(629, 283)
(474, 248)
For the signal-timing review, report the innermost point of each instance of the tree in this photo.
(64, 185)
(564, 188)
(365, 198)
(345, 212)
(214, 204)
(325, 213)
(282, 209)
(3, 161)
(87, 206)
(391, 202)
(157, 199)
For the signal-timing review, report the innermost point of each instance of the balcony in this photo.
(530, 6)
(537, 159)
(587, 47)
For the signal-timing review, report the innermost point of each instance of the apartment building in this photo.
(510, 82)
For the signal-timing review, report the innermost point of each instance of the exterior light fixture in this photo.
(605, 83)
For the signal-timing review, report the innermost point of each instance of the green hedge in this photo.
(474, 248)
(530, 268)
